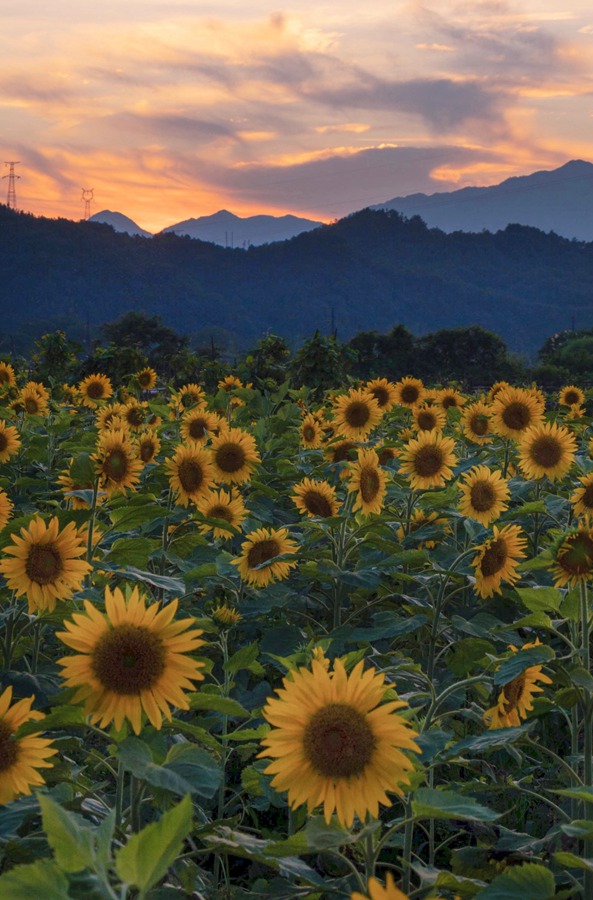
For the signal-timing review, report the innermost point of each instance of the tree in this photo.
(267, 362)
(472, 355)
(320, 364)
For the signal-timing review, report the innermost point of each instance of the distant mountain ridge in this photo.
(119, 222)
(560, 200)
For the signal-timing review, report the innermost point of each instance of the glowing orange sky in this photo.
(171, 110)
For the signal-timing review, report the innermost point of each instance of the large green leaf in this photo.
(429, 803)
(40, 879)
(71, 841)
(196, 767)
(521, 660)
(527, 882)
(540, 599)
(144, 860)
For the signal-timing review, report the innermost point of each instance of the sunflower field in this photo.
(257, 644)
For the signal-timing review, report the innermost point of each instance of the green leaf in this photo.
(540, 599)
(40, 879)
(216, 703)
(59, 717)
(162, 582)
(129, 516)
(497, 737)
(572, 861)
(70, 840)
(580, 828)
(132, 551)
(144, 860)
(243, 659)
(246, 845)
(82, 470)
(527, 882)
(428, 803)
(520, 661)
(196, 767)
(466, 653)
(583, 793)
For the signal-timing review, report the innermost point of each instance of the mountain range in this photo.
(560, 200)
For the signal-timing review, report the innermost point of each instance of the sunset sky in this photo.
(171, 109)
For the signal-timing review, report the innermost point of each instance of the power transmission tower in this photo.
(11, 197)
(87, 196)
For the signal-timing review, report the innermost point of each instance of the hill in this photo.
(119, 222)
(368, 271)
(560, 200)
(228, 230)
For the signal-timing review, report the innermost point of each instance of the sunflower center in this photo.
(230, 457)
(220, 512)
(409, 393)
(262, 552)
(4, 376)
(342, 451)
(546, 451)
(370, 483)
(586, 499)
(44, 563)
(385, 455)
(516, 416)
(426, 420)
(513, 691)
(576, 554)
(448, 401)
(317, 504)
(145, 379)
(31, 405)
(128, 659)
(482, 496)
(338, 741)
(428, 461)
(494, 558)
(115, 465)
(9, 749)
(479, 424)
(135, 416)
(3, 441)
(191, 475)
(95, 390)
(381, 395)
(197, 428)
(357, 414)
(147, 450)
(571, 397)
(309, 433)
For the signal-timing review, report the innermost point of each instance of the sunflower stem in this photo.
(507, 453)
(407, 849)
(119, 793)
(89, 542)
(224, 745)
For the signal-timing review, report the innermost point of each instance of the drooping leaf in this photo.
(527, 882)
(429, 803)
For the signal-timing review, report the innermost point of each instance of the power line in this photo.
(11, 196)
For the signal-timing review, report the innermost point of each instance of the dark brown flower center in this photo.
(147, 449)
(218, 511)
(115, 465)
(381, 395)
(145, 379)
(428, 461)
(575, 555)
(95, 390)
(9, 748)
(587, 498)
(261, 552)
(32, 405)
(546, 451)
(571, 397)
(493, 558)
(342, 451)
(448, 400)
(197, 428)
(230, 457)
(386, 455)
(338, 741)
(128, 659)
(135, 416)
(4, 376)
(479, 424)
(426, 420)
(44, 563)
(409, 393)
(482, 496)
(513, 691)
(317, 504)
(3, 441)
(309, 433)
(516, 416)
(357, 414)
(370, 483)
(191, 475)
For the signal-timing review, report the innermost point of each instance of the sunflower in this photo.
(146, 378)
(187, 396)
(514, 410)
(427, 460)
(67, 485)
(384, 393)
(341, 450)
(32, 401)
(315, 498)
(108, 413)
(46, 565)
(476, 422)
(386, 453)
(220, 505)
(582, 498)
(7, 376)
(257, 564)
(116, 461)
(310, 431)
(190, 473)
(356, 413)
(496, 388)
(197, 424)
(515, 700)
(497, 560)
(95, 388)
(234, 456)
(367, 478)
(148, 445)
(484, 495)
(226, 615)
(130, 659)
(546, 449)
(409, 392)
(70, 396)
(229, 383)
(378, 892)
(573, 557)
(428, 418)
(332, 743)
(20, 757)
(6, 508)
(419, 520)
(449, 398)
(135, 414)
(571, 396)
(10, 442)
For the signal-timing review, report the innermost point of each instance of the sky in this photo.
(172, 109)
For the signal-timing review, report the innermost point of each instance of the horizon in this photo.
(170, 112)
